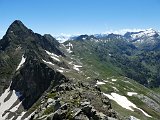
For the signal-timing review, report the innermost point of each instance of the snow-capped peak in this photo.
(144, 33)
(63, 37)
(127, 33)
(150, 32)
(147, 36)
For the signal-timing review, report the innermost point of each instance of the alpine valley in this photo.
(87, 77)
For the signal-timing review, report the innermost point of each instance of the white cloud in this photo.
(67, 35)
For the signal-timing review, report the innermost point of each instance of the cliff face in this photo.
(19, 41)
(33, 79)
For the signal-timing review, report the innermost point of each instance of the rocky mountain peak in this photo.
(17, 22)
(16, 34)
(17, 27)
(144, 38)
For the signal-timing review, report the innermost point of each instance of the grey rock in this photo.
(110, 118)
(85, 103)
(57, 105)
(149, 102)
(133, 118)
(81, 117)
(76, 112)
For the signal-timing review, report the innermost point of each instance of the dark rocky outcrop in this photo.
(19, 35)
(33, 79)
(52, 40)
(20, 40)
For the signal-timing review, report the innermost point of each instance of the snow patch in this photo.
(100, 83)
(131, 93)
(121, 100)
(133, 118)
(28, 118)
(21, 63)
(5, 105)
(4, 95)
(114, 80)
(70, 63)
(49, 100)
(76, 67)
(47, 62)
(88, 77)
(4, 117)
(70, 46)
(115, 88)
(12, 117)
(60, 70)
(53, 56)
(124, 102)
(15, 108)
(108, 82)
(20, 117)
(127, 82)
(69, 51)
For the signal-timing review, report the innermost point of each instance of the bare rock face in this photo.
(33, 79)
(18, 41)
(151, 103)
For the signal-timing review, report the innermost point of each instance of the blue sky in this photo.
(80, 16)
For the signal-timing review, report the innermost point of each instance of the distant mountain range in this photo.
(141, 36)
